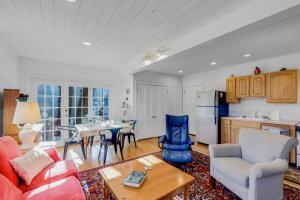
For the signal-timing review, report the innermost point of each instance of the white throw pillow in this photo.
(31, 164)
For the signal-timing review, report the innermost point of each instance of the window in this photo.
(100, 104)
(78, 105)
(49, 100)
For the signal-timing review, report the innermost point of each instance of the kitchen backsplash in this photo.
(248, 106)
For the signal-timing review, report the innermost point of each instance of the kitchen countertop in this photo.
(281, 122)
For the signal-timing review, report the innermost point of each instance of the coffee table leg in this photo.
(186, 192)
(106, 192)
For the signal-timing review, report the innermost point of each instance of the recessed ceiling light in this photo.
(213, 63)
(71, 1)
(180, 71)
(87, 43)
(247, 55)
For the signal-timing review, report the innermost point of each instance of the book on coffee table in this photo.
(135, 179)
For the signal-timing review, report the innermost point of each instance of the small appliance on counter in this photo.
(211, 106)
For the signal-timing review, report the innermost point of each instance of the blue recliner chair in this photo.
(176, 144)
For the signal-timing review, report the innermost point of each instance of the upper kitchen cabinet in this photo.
(282, 87)
(258, 85)
(231, 91)
(242, 86)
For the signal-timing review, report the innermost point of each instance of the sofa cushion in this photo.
(31, 164)
(234, 168)
(9, 150)
(53, 172)
(68, 188)
(8, 191)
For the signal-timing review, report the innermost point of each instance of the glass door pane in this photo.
(100, 104)
(78, 105)
(49, 100)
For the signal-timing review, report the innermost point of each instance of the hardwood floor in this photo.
(144, 147)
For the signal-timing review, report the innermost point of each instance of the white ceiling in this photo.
(118, 29)
(122, 32)
(273, 36)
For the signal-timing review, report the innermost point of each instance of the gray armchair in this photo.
(254, 168)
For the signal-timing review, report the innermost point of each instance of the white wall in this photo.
(215, 79)
(8, 66)
(158, 78)
(9, 77)
(32, 68)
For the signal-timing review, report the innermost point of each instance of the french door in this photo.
(65, 103)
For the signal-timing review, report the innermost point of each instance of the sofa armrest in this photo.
(52, 152)
(276, 167)
(225, 150)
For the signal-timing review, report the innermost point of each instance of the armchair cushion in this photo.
(53, 172)
(233, 168)
(177, 147)
(9, 150)
(67, 188)
(52, 152)
(225, 150)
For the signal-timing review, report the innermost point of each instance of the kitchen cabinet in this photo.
(258, 85)
(282, 87)
(231, 126)
(231, 91)
(225, 131)
(242, 86)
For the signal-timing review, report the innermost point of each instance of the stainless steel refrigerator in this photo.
(211, 106)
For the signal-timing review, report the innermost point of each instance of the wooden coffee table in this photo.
(162, 181)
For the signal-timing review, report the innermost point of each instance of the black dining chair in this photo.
(114, 140)
(128, 132)
(73, 139)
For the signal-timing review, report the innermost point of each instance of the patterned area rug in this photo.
(293, 175)
(201, 189)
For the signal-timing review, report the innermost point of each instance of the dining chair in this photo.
(74, 139)
(128, 132)
(114, 140)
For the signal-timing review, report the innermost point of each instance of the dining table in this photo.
(86, 131)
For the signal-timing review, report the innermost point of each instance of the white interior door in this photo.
(159, 109)
(144, 110)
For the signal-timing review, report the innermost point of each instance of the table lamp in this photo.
(26, 114)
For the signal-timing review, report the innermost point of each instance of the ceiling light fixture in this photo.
(147, 62)
(213, 63)
(159, 54)
(180, 71)
(87, 44)
(71, 1)
(247, 55)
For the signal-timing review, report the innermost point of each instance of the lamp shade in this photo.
(27, 113)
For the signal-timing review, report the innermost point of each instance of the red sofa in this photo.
(57, 181)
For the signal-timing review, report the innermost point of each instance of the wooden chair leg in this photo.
(134, 140)
(121, 150)
(82, 149)
(105, 153)
(65, 150)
